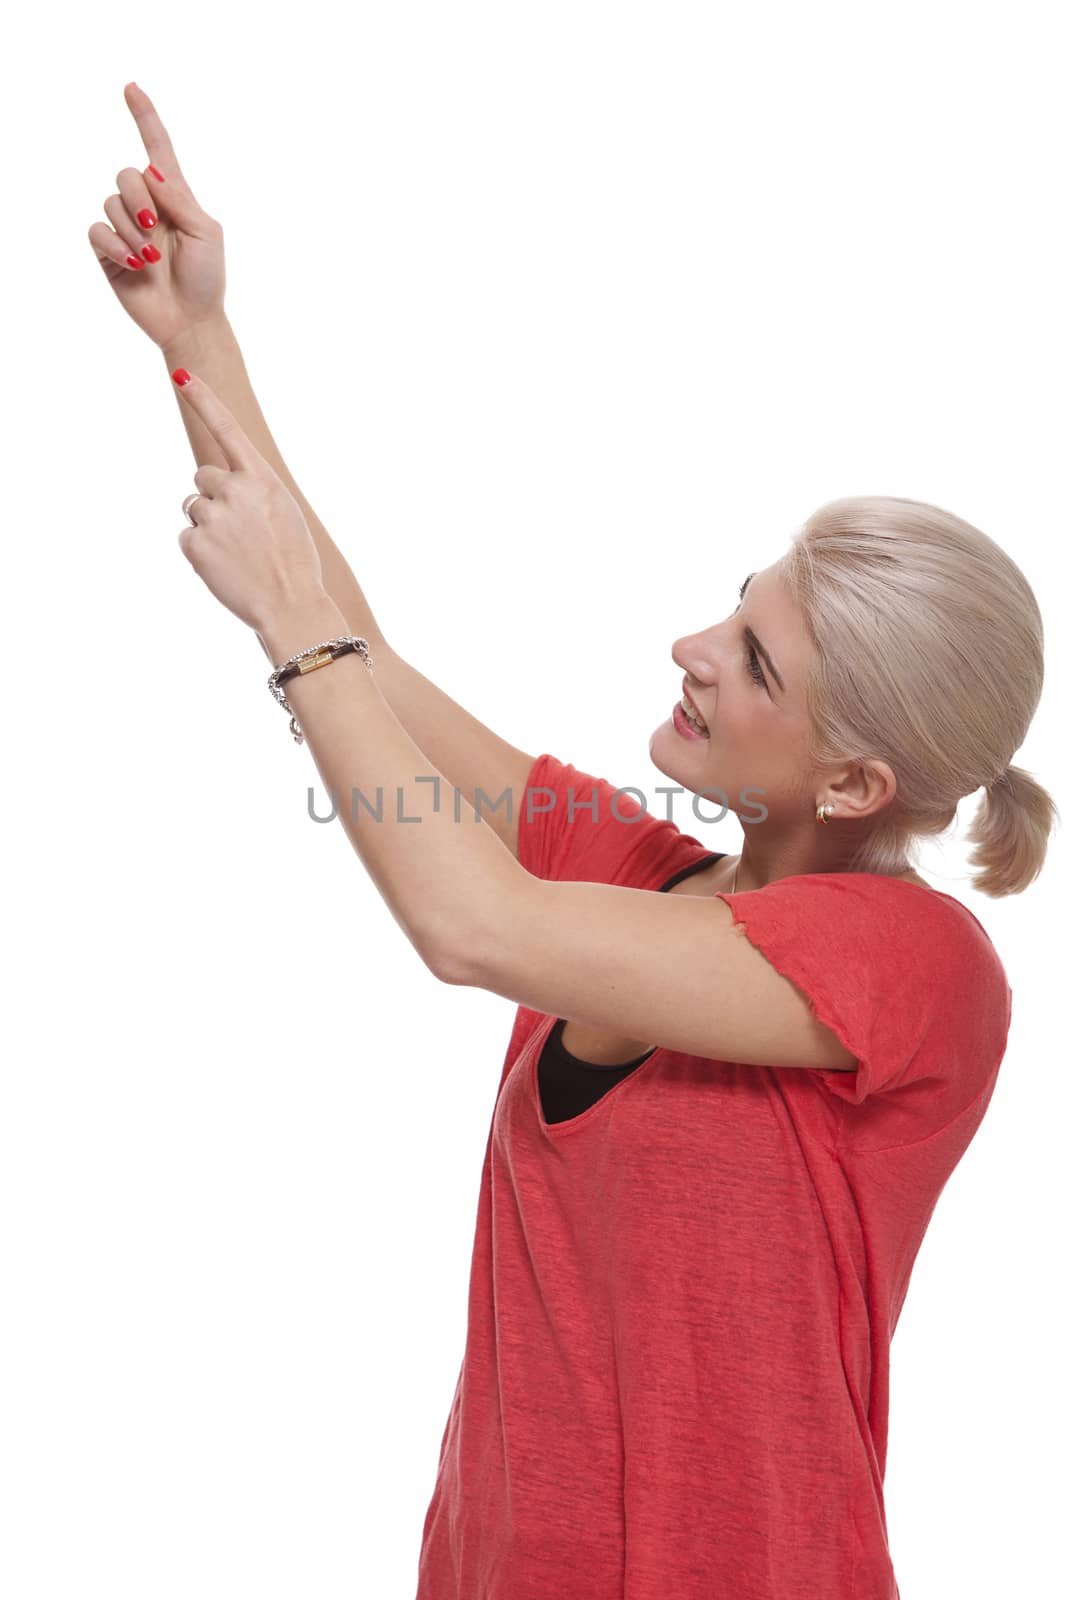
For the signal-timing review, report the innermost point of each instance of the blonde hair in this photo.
(929, 656)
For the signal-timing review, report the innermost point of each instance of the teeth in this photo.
(690, 709)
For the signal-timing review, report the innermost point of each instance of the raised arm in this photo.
(177, 299)
(211, 350)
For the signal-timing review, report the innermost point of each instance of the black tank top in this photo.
(567, 1085)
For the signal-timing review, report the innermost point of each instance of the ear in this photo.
(866, 788)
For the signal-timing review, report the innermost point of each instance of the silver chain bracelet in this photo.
(318, 655)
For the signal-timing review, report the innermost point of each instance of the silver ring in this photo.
(187, 502)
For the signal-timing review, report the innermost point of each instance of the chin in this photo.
(672, 754)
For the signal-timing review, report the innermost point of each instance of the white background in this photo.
(564, 317)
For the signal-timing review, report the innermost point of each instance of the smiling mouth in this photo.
(680, 715)
(692, 715)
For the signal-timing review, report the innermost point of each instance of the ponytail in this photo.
(1010, 831)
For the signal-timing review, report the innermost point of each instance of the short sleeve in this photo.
(905, 977)
(573, 826)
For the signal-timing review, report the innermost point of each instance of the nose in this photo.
(693, 655)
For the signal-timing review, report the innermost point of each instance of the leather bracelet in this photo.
(310, 660)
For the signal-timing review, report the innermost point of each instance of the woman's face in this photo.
(746, 676)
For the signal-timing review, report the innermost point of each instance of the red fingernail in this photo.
(146, 219)
(157, 174)
(132, 261)
(150, 252)
(180, 376)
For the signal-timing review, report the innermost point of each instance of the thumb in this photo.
(176, 203)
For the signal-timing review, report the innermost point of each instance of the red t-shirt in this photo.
(676, 1376)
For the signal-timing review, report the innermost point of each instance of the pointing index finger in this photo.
(154, 135)
(223, 426)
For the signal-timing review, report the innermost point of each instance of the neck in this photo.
(811, 847)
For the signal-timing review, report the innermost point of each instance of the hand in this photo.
(251, 543)
(187, 284)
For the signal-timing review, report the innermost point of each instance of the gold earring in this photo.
(822, 811)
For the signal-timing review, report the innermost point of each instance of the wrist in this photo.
(308, 621)
(206, 333)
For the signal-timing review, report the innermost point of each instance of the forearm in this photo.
(441, 869)
(212, 352)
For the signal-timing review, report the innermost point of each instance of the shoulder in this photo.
(864, 918)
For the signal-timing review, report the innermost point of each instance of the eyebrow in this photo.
(755, 643)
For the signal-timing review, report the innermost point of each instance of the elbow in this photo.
(448, 954)
(476, 942)
(449, 966)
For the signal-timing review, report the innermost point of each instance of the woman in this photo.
(728, 1106)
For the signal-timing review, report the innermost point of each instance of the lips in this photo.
(685, 727)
